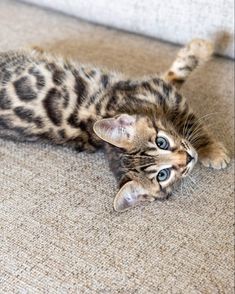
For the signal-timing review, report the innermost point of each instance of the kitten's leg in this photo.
(214, 155)
(211, 152)
(197, 52)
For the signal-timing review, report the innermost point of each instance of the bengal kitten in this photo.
(152, 137)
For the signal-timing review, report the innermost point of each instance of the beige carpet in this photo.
(58, 231)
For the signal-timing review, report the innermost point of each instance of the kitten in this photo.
(151, 136)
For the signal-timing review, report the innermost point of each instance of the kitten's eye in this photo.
(162, 143)
(164, 174)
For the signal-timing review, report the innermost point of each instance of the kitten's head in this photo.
(151, 157)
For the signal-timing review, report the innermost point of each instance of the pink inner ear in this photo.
(108, 125)
(126, 120)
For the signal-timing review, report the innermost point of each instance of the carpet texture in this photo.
(58, 231)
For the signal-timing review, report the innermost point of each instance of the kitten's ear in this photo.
(118, 131)
(130, 195)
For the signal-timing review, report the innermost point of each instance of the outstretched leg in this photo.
(211, 153)
(194, 54)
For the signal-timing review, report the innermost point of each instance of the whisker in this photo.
(191, 190)
(191, 179)
(197, 124)
(184, 127)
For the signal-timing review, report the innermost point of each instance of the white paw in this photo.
(202, 49)
(217, 158)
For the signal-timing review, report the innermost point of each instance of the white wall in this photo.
(177, 21)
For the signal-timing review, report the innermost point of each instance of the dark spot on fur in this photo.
(24, 113)
(91, 99)
(166, 89)
(23, 88)
(62, 134)
(65, 95)
(112, 103)
(58, 77)
(171, 73)
(5, 102)
(104, 80)
(80, 89)
(5, 76)
(78, 144)
(156, 81)
(98, 107)
(48, 134)
(92, 73)
(40, 80)
(39, 122)
(160, 98)
(73, 119)
(52, 106)
(51, 67)
(4, 123)
(66, 66)
(147, 86)
(82, 125)
(186, 68)
(178, 98)
(87, 128)
(19, 70)
(17, 134)
(193, 60)
(125, 86)
(178, 81)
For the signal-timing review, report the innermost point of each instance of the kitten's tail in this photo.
(196, 53)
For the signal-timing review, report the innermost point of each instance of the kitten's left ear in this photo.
(118, 131)
(130, 195)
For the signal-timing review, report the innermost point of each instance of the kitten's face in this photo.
(153, 157)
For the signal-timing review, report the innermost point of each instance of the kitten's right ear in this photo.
(130, 195)
(118, 131)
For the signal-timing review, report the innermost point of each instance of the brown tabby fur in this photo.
(46, 97)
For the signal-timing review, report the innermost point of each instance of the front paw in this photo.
(215, 156)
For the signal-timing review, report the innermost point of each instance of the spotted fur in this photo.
(45, 97)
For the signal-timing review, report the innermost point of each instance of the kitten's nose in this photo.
(188, 158)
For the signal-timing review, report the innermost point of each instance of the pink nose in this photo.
(181, 158)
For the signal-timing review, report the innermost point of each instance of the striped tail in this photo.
(196, 53)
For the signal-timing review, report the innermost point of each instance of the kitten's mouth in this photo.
(189, 158)
(190, 162)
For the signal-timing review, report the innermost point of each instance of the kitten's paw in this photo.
(216, 157)
(200, 48)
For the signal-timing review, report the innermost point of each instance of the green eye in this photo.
(162, 143)
(163, 175)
